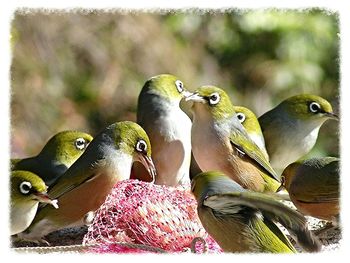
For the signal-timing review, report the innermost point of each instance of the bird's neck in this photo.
(171, 122)
(201, 114)
(153, 101)
(304, 125)
(104, 158)
(306, 130)
(117, 163)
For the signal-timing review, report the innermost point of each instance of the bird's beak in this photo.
(195, 97)
(332, 115)
(44, 198)
(149, 165)
(186, 94)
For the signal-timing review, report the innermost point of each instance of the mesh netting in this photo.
(153, 216)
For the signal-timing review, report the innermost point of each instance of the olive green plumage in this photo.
(59, 153)
(220, 142)
(251, 125)
(85, 185)
(291, 128)
(168, 127)
(26, 191)
(313, 187)
(168, 86)
(245, 221)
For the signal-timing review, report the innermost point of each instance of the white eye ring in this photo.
(80, 143)
(214, 98)
(241, 117)
(141, 146)
(179, 85)
(314, 107)
(25, 187)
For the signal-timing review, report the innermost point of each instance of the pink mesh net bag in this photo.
(140, 217)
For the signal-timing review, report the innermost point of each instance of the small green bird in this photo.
(84, 186)
(220, 142)
(59, 153)
(291, 128)
(27, 190)
(168, 128)
(251, 125)
(244, 221)
(313, 187)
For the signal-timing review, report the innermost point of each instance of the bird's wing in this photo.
(27, 164)
(270, 208)
(74, 177)
(322, 187)
(277, 231)
(240, 140)
(230, 203)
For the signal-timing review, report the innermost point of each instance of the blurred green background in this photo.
(84, 69)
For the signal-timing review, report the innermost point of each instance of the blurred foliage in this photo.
(84, 69)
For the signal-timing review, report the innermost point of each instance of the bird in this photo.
(27, 190)
(220, 142)
(251, 125)
(313, 187)
(58, 154)
(241, 220)
(168, 127)
(291, 128)
(84, 186)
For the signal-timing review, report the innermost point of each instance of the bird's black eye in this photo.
(25, 187)
(141, 146)
(80, 143)
(314, 107)
(179, 85)
(214, 98)
(241, 117)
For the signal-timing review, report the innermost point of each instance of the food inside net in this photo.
(138, 216)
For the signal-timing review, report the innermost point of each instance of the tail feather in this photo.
(306, 239)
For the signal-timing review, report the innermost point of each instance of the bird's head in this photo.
(167, 86)
(27, 187)
(248, 119)
(211, 101)
(308, 107)
(66, 146)
(131, 138)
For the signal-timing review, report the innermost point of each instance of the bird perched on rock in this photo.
(219, 142)
(27, 190)
(251, 125)
(291, 128)
(59, 153)
(168, 128)
(85, 185)
(313, 187)
(245, 221)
